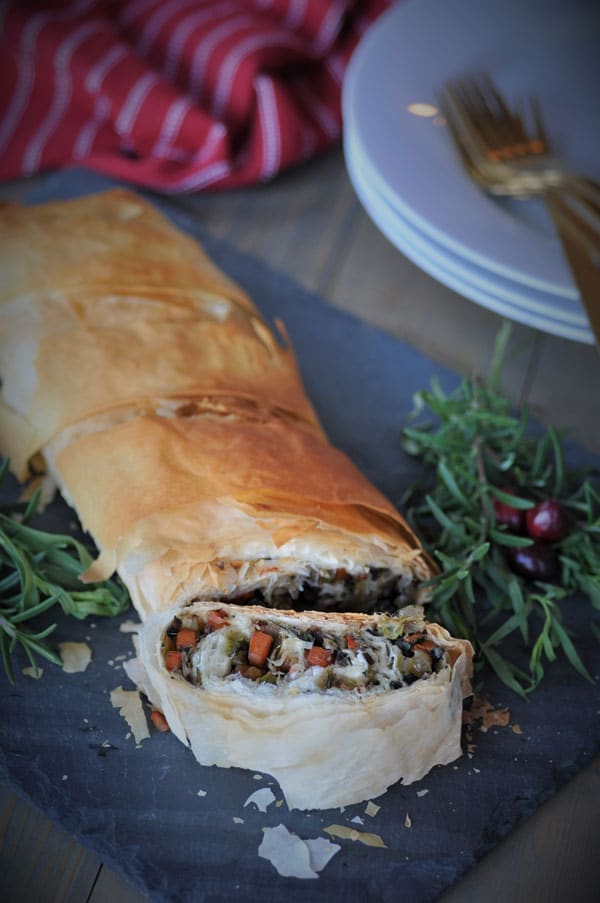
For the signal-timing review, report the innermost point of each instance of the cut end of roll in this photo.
(267, 690)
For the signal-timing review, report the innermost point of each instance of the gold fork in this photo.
(506, 159)
(511, 158)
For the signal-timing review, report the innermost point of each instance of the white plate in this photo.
(446, 268)
(544, 47)
(511, 291)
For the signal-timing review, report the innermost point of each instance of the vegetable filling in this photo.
(237, 645)
(365, 589)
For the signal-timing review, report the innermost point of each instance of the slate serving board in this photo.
(139, 809)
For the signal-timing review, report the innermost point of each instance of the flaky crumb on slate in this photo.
(346, 833)
(516, 728)
(293, 857)
(372, 808)
(422, 792)
(35, 673)
(483, 710)
(408, 821)
(75, 657)
(129, 704)
(261, 798)
(130, 627)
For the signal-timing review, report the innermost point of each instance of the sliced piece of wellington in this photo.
(337, 707)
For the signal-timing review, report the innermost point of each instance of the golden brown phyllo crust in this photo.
(171, 416)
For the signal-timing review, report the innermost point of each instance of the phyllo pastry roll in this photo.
(174, 421)
(336, 707)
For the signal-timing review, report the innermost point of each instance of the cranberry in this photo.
(546, 521)
(513, 518)
(537, 561)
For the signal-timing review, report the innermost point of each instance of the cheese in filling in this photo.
(208, 645)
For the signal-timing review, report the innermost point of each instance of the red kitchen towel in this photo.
(177, 95)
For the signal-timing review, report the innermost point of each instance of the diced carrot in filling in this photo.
(186, 638)
(217, 619)
(320, 656)
(383, 655)
(259, 648)
(159, 721)
(426, 645)
(173, 660)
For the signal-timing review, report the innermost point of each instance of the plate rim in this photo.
(354, 74)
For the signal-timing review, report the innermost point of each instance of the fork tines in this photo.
(499, 129)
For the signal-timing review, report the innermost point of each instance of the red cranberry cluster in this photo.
(545, 523)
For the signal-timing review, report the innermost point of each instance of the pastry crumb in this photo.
(34, 673)
(129, 627)
(261, 798)
(129, 704)
(293, 857)
(75, 657)
(343, 831)
(483, 710)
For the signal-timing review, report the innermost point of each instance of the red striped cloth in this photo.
(177, 95)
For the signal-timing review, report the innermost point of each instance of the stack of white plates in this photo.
(503, 254)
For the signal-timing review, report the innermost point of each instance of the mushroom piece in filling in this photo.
(304, 653)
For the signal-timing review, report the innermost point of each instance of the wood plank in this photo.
(565, 389)
(110, 888)
(292, 224)
(38, 860)
(560, 842)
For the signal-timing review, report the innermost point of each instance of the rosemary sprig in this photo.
(39, 570)
(475, 447)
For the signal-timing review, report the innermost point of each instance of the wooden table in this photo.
(309, 224)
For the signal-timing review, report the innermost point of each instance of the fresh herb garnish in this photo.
(39, 570)
(477, 455)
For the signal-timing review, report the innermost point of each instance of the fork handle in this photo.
(582, 250)
(586, 191)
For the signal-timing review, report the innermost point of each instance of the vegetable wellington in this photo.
(175, 423)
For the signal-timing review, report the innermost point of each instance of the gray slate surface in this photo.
(139, 809)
